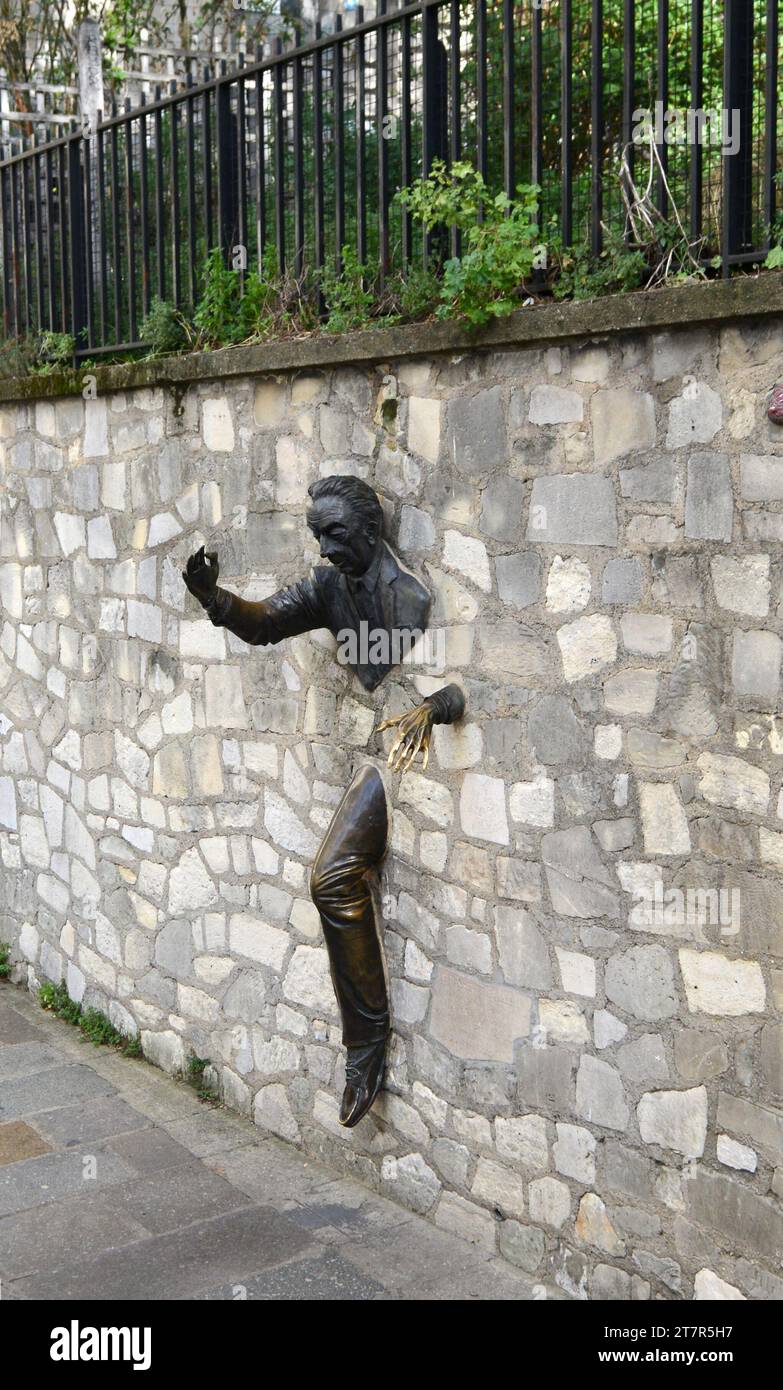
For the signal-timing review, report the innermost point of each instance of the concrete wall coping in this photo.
(681, 306)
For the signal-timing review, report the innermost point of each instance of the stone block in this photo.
(623, 423)
(709, 501)
(476, 1020)
(572, 509)
(717, 985)
(675, 1120)
(641, 982)
(600, 1094)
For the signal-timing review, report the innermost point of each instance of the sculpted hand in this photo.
(201, 575)
(414, 729)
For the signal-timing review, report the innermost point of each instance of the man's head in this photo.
(346, 519)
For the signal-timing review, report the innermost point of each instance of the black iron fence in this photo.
(303, 149)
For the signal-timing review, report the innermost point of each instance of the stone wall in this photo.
(584, 1079)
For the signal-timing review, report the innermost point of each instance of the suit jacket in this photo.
(387, 598)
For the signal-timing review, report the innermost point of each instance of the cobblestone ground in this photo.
(116, 1182)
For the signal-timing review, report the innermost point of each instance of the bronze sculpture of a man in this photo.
(365, 593)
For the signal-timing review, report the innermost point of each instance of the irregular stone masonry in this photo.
(583, 905)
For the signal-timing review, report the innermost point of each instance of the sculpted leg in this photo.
(342, 884)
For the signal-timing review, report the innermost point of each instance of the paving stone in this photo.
(19, 1140)
(325, 1277)
(179, 1264)
(72, 1229)
(44, 1090)
(95, 1119)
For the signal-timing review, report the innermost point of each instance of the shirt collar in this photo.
(368, 580)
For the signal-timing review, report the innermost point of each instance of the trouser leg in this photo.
(341, 885)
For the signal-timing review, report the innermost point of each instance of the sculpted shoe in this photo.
(364, 1069)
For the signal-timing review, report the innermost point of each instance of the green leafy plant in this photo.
(57, 1000)
(216, 316)
(57, 348)
(499, 251)
(774, 259)
(578, 274)
(93, 1024)
(5, 960)
(349, 301)
(164, 328)
(194, 1076)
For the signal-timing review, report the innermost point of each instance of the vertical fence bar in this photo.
(566, 123)
(455, 131)
(663, 97)
(361, 182)
(481, 87)
(737, 97)
(629, 87)
(696, 164)
(5, 212)
(260, 165)
(226, 167)
(339, 145)
(536, 108)
(160, 250)
(508, 97)
(115, 230)
(190, 151)
(176, 259)
(241, 154)
(77, 241)
(62, 218)
(279, 157)
(27, 248)
(298, 132)
(130, 225)
(405, 147)
(596, 128)
(318, 161)
(39, 241)
(207, 167)
(103, 293)
(770, 111)
(50, 241)
(434, 113)
(381, 101)
(144, 213)
(87, 148)
(15, 222)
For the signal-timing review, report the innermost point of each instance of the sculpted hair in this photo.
(358, 494)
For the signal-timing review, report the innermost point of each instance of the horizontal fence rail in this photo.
(302, 151)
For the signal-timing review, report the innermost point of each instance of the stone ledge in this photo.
(686, 305)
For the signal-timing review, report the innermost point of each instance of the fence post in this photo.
(738, 118)
(90, 57)
(434, 110)
(77, 242)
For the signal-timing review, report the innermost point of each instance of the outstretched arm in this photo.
(414, 728)
(285, 614)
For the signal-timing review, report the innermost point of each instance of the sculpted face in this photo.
(345, 541)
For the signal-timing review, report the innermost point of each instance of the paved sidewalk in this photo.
(117, 1182)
